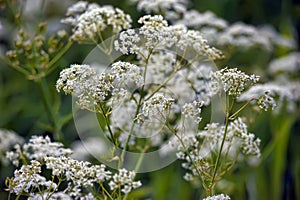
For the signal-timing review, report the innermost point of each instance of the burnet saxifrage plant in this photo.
(163, 85)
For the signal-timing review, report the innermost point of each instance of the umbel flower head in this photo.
(232, 81)
(89, 20)
(156, 34)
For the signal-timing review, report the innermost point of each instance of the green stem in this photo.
(107, 124)
(138, 165)
(220, 152)
(41, 83)
(233, 116)
(120, 164)
(106, 192)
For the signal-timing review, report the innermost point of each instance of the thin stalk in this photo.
(137, 166)
(107, 124)
(220, 152)
(120, 164)
(239, 110)
(106, 192)
(136, 113)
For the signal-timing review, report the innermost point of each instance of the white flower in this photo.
(208, 23)
(89, 20)
(81, 173)
(264, 95)
(289, 63)
(83, 81)
(276, 38)
(218, 197)
(232, 81)
(203, 146)
(193, 110)
(171, 9)
(28, 179)
(126, 74)
(8, 139)
(157, 105)
(37, 148)
(244, 36)
(125, 180)
(249, 145)
(127, 42)
(194, 40)
(155, 34)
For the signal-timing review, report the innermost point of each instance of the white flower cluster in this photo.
(190, 153)
(81, 173)
(76, 10)
(125, 75)
(8, 139)
(232, 81)
(193, 110)
(83, 81)
(208, 23)
(244, 36)
(171, 9)
(90, 20)
(27, 179)
(36, 149)
(156, 34)
(276, 39)
(265, 94)
(248, 143)
(156, 106)
(53, 196)
(198, 149)
(289, 63)
(218, 197)
(160, 65)
(77, 177)
(124, 180)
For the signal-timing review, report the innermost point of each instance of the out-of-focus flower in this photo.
(218, 197)
(244, 36)
(286, 64)
(8, 139)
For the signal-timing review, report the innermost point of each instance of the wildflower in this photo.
(81, 173)
(82, 80)
(28, 179)
(155, 34)
(8, 139)
(218, 197)
(126, 74)
(124, 180)
(244, 36)
(199, 148)
(157, 105)
(249, 145)
(276, 38)
(171, 9)
(265, 94)
(193, 110)
(36, 149)
(289, 63)
(89, 20)
(232, 81)
(202, 20)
